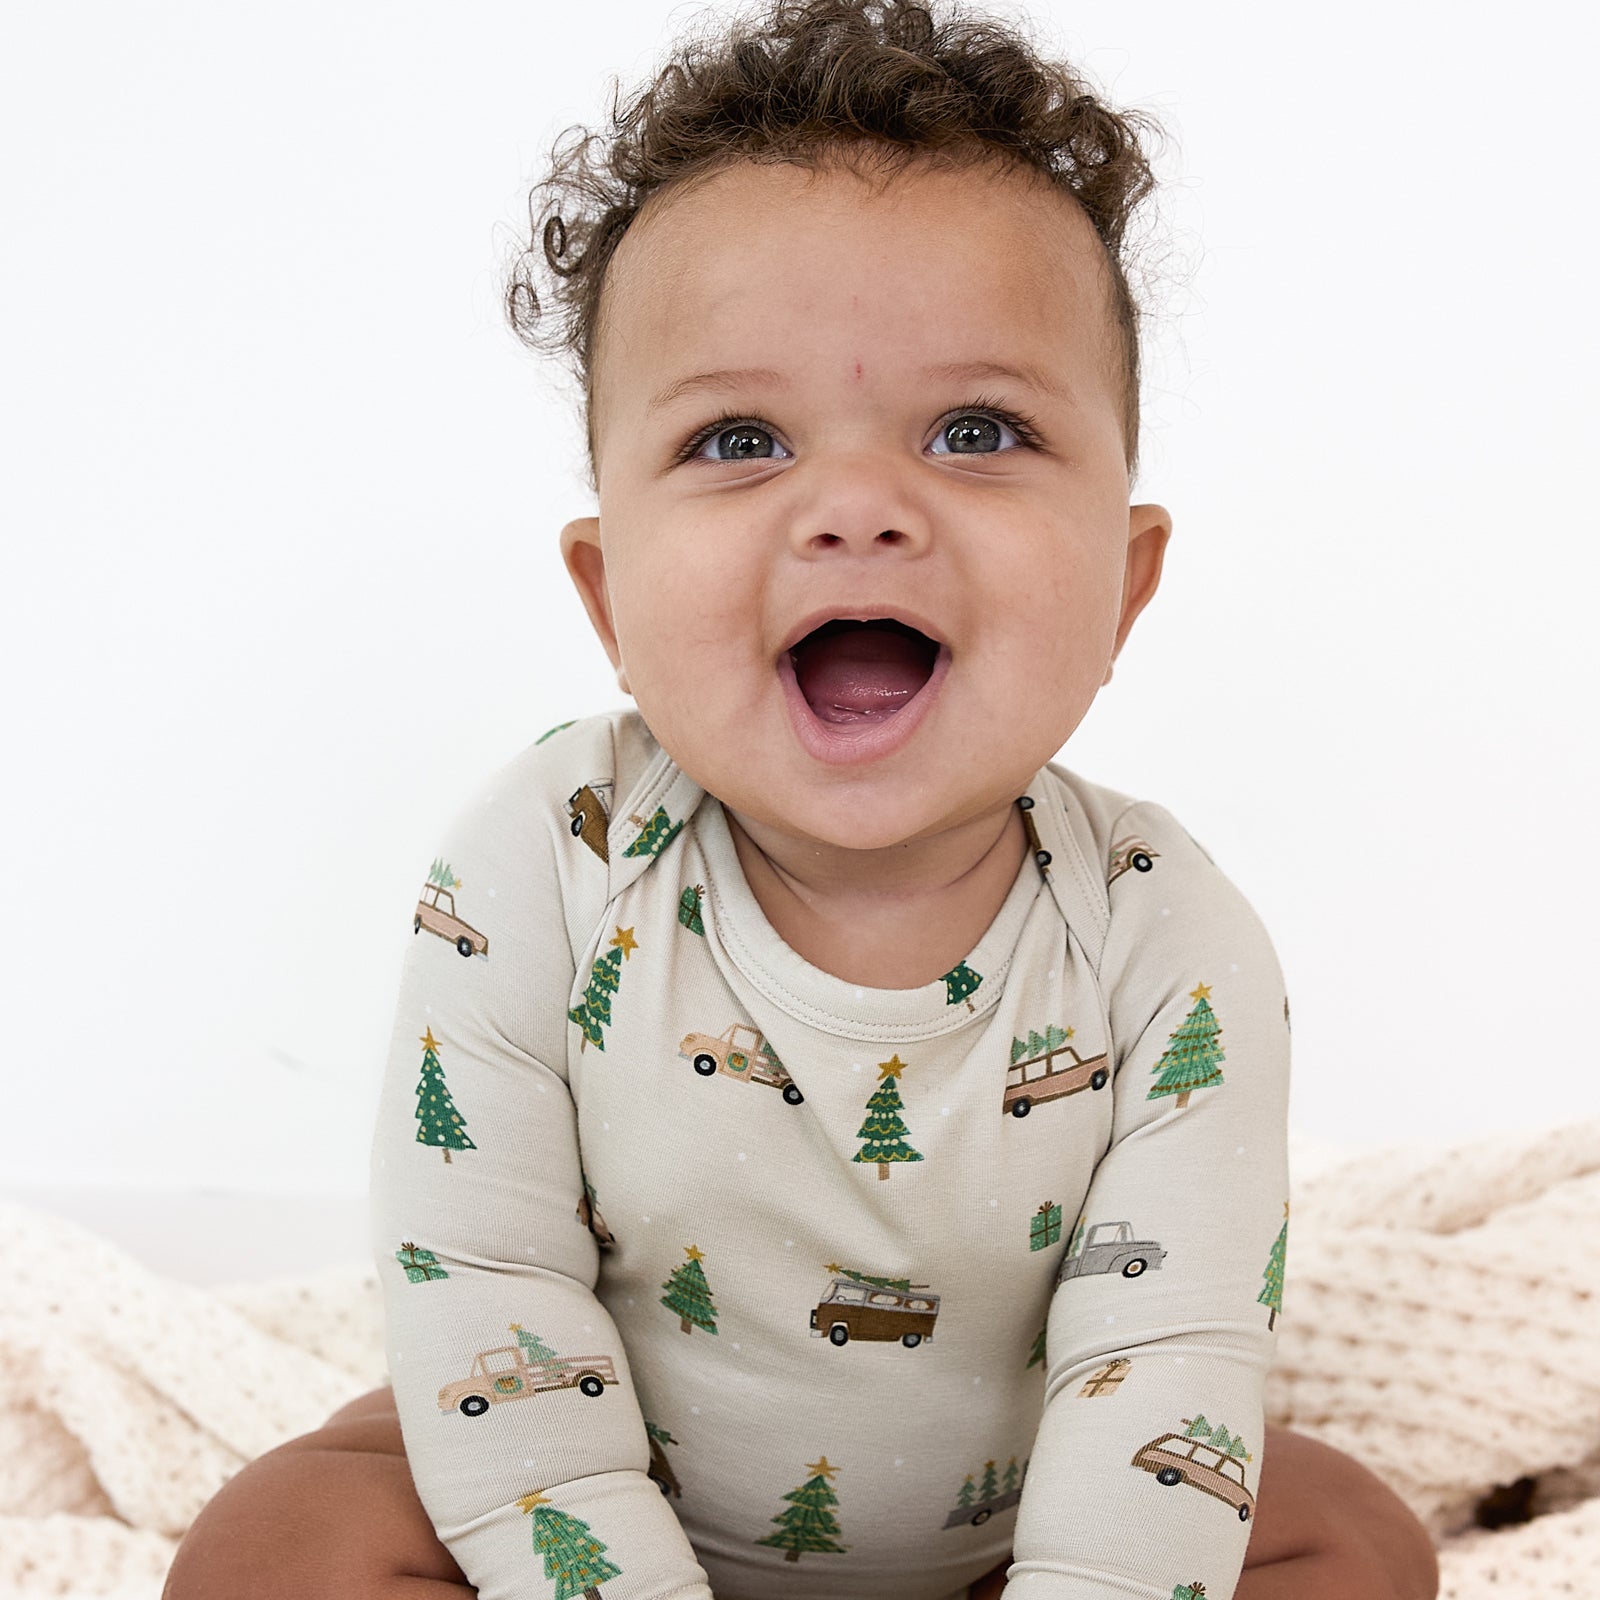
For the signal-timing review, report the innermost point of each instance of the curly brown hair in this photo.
(806, 81)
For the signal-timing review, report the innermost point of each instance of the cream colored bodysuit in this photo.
(703, 1266)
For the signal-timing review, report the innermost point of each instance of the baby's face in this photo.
(857, 476)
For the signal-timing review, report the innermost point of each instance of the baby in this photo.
(828, 1149)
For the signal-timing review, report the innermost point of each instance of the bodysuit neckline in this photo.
(834, 1004)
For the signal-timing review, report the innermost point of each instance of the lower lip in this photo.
(849, 744)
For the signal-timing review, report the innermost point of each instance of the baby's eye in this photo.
(974, 433)
(745, 441)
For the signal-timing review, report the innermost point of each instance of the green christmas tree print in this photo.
(1077, 1237)
(959, 982)
(1217, 1437)
(883, 1131)
(593, 1012)
(421, 1265)
(655, 835)
(689, 908)
(1009, 1482)
(441, 875)
(1036, 1354)
(438, 1121)
(809, 1525)
(1192, 1056)
(573, 1557)
(1272, 1288)
(1039, 1044)
(1044, 1226)
(990, 1486)
(689, 1294)
(902, 1284)
(555, 730)
(969, 1492)
(533, 1347)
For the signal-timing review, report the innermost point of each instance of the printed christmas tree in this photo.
(654, 835)
(441, 875)
(809, 1526)
(593, 1012)
(883, 1131)
(1272, 1289)
(420, 1265)
(1036, 1354)
(1077, 1236)
(990, 1487)
(533, 1347)
(438, 1121)
(689, 908)
(573, 1557)
(1192, 1056)
(689, 1294)
(959, 982)
(1039, 1044)
(902, 1284)
(1010, 1481)
(1217, 1437)
(969, 1492)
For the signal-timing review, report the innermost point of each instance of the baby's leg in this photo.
(1326, 1528)
(331, 1515)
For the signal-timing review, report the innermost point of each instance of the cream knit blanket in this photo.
(1441, 1323)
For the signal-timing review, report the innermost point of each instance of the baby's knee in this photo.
(326, 1516)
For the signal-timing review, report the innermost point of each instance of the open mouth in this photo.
(853, 671)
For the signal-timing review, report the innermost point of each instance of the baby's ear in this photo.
(585, 562)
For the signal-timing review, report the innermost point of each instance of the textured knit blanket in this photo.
(1440, 1323)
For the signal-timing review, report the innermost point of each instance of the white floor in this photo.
(211, 1236)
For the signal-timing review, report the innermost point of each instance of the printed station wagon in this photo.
(852, 1310)
(1175, 1459)
(1119, 1253)
(740, 1052)
(501, 1375)
(436, 911)
(1044, 1077)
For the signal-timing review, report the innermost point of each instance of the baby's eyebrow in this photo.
(726, 379)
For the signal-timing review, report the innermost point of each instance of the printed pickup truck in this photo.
(740, 1052)
(436, 911)
(1119, 1253)
(1177, 1459)
(499, 1375)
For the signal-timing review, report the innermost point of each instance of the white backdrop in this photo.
(282, 495)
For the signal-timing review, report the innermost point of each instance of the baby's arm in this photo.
(521, 1426)
(1163, 1324)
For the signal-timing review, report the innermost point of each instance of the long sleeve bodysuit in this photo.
(708, 1271)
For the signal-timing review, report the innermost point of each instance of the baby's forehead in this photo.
(761, 269)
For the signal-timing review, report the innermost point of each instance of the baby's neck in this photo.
(898, 937)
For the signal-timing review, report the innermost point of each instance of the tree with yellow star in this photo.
(689, 1294)
(884, 1131)
(438, 1121)
(1192, 1056)
(593, 1012)
(809, 1525)
(573, 1558)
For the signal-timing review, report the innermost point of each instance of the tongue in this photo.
(863, 673)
